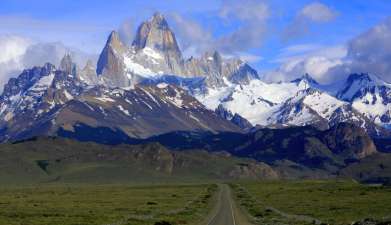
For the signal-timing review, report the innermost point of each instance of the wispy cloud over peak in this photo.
(314, 12)
(255, 10)
(318, 12)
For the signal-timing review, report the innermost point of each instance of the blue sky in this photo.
(279, 29)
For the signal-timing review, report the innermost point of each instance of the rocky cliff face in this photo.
(45, 101)
(68, 66)
(157, 36)
(155, 52)
(88, 74)
(349, 140)
(218, 70)
(111, 65)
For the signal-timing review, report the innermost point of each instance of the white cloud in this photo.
(246, 57)
(126, 31)
(317, 12)
(13, 22)
(193, 38)
(245, 10)
(251, 15)
(369, 52)
(12, 50)
(18, 53)
(315, 60)
(12, 47)
(314, 12)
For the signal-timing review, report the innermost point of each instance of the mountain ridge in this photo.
(223, 94)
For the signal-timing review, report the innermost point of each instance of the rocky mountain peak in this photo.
(67, 65)
(359, 77)
(213, 56)
(307, 79)
(110, 62)
(157, 35)
(114, 42)
(89, 64)
(358, 85)
(159, 20)
(48, 68)
(88, 74)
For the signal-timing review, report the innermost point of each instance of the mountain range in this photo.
(146, 88)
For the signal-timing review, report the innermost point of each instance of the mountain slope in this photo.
(295, 152)
(370, 96)
(56, 160)
(302, 102)
(44, 101)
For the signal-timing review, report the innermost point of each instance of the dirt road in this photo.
(226, 212)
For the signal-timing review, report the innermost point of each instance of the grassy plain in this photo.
(105, 204)
(308, 202)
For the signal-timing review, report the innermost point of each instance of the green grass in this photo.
(332, 202)
(104, 204)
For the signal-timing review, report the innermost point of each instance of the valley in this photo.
(90, 183)
(149, 131)
(339, 202)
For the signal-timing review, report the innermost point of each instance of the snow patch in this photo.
(152, 53)
(43, 83)
(151, 96)
(67, 95)
(126, 112)
(324, 104)
(138, 69)
(105, 99)
(177, 99)
(8, 116)
(162, 85)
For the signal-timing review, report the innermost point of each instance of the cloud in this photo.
(371, 51)
(12, 22)
(126, 31)
(193, 38)
(12, 50)
(18, 53)
(317, 12)
(247, 57)
(316, 60)
(245, 10)
(40, 53)
(83, 34)
(250, 16)
(314, 12)
(253, 16)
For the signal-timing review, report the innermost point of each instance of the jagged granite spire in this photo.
(88, 74)
(157, 35)
(214, 67)
(67, 65)
(155, 51)
(111, 64)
